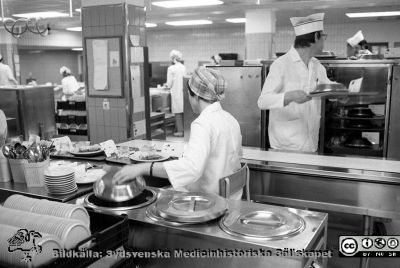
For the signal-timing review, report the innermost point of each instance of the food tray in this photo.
(70, 156)
(109, 232)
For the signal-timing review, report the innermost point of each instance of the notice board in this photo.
(104, 66)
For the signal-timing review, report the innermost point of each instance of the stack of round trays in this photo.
(60, 180)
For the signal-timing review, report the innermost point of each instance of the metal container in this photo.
(106, 190)
(191, 207)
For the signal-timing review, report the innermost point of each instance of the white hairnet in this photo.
(175, 54)
(65, 70)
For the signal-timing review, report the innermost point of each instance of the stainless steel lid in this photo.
(272, 224)
(191, 207)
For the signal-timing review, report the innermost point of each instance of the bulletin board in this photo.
(104, 74)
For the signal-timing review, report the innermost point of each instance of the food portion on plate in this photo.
(89, 148)
(150, 156)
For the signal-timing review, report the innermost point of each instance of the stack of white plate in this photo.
(60, 180)
(12, 238)
(46, 207)
(70, 232)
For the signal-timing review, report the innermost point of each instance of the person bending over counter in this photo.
(294, 117)
(214, 147)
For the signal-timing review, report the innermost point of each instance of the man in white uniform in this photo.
(214, 147)
(294, 117)
(6, 75)
(175, 75)
(357, 46)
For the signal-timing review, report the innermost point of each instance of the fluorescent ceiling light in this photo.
(373, 14)
(236, 20)
(77, 49)
(188, 22)
(187, 3)
(150, 25)
(47, 14)
(74, 29)
(78, 10)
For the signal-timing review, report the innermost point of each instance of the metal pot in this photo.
(104, 188)
(361, 112)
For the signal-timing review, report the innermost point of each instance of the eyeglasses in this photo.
(324, 35)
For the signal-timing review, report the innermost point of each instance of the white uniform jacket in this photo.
(295, 126)
(213, 152)
(69, 85)
(175, 76)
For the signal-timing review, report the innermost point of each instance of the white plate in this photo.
(94, 153)
(92, 175)
(136, 156)
(59, 172)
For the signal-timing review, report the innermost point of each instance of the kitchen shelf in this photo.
(376, 150)
(376, 129)
(379, 117)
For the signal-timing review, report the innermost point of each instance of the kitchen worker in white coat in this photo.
(69, 84)
(357, 46)
(294, 117)
(6, 75)
(175, 75)
(214, 147)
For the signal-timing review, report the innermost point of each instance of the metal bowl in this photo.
(104, 188)
(359, 143)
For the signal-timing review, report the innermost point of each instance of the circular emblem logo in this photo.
(380, 243)
(392, 243)
(349, 246)
(367, 243)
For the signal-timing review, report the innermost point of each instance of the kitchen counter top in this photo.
(353, 167)
(24, 87)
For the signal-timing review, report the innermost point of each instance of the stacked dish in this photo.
(16, 243)
(46, 207)
(60, 180)
(70, 232)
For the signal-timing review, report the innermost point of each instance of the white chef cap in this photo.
(175, 54)
(309, 24)
(355, 39)
(65, 70)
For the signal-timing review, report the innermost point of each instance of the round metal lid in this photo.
(270, 224)
(191, 207)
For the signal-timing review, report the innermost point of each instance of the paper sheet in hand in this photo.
(100, 72)
(355, 85)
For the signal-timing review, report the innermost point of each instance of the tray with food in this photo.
(152, 156)
(87, 150)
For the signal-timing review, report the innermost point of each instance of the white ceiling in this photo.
(335, 10)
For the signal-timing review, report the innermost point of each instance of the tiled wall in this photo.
(109, 21)
(198, 44)
(107, 124)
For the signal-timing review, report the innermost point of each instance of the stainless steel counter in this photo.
(146, 234)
